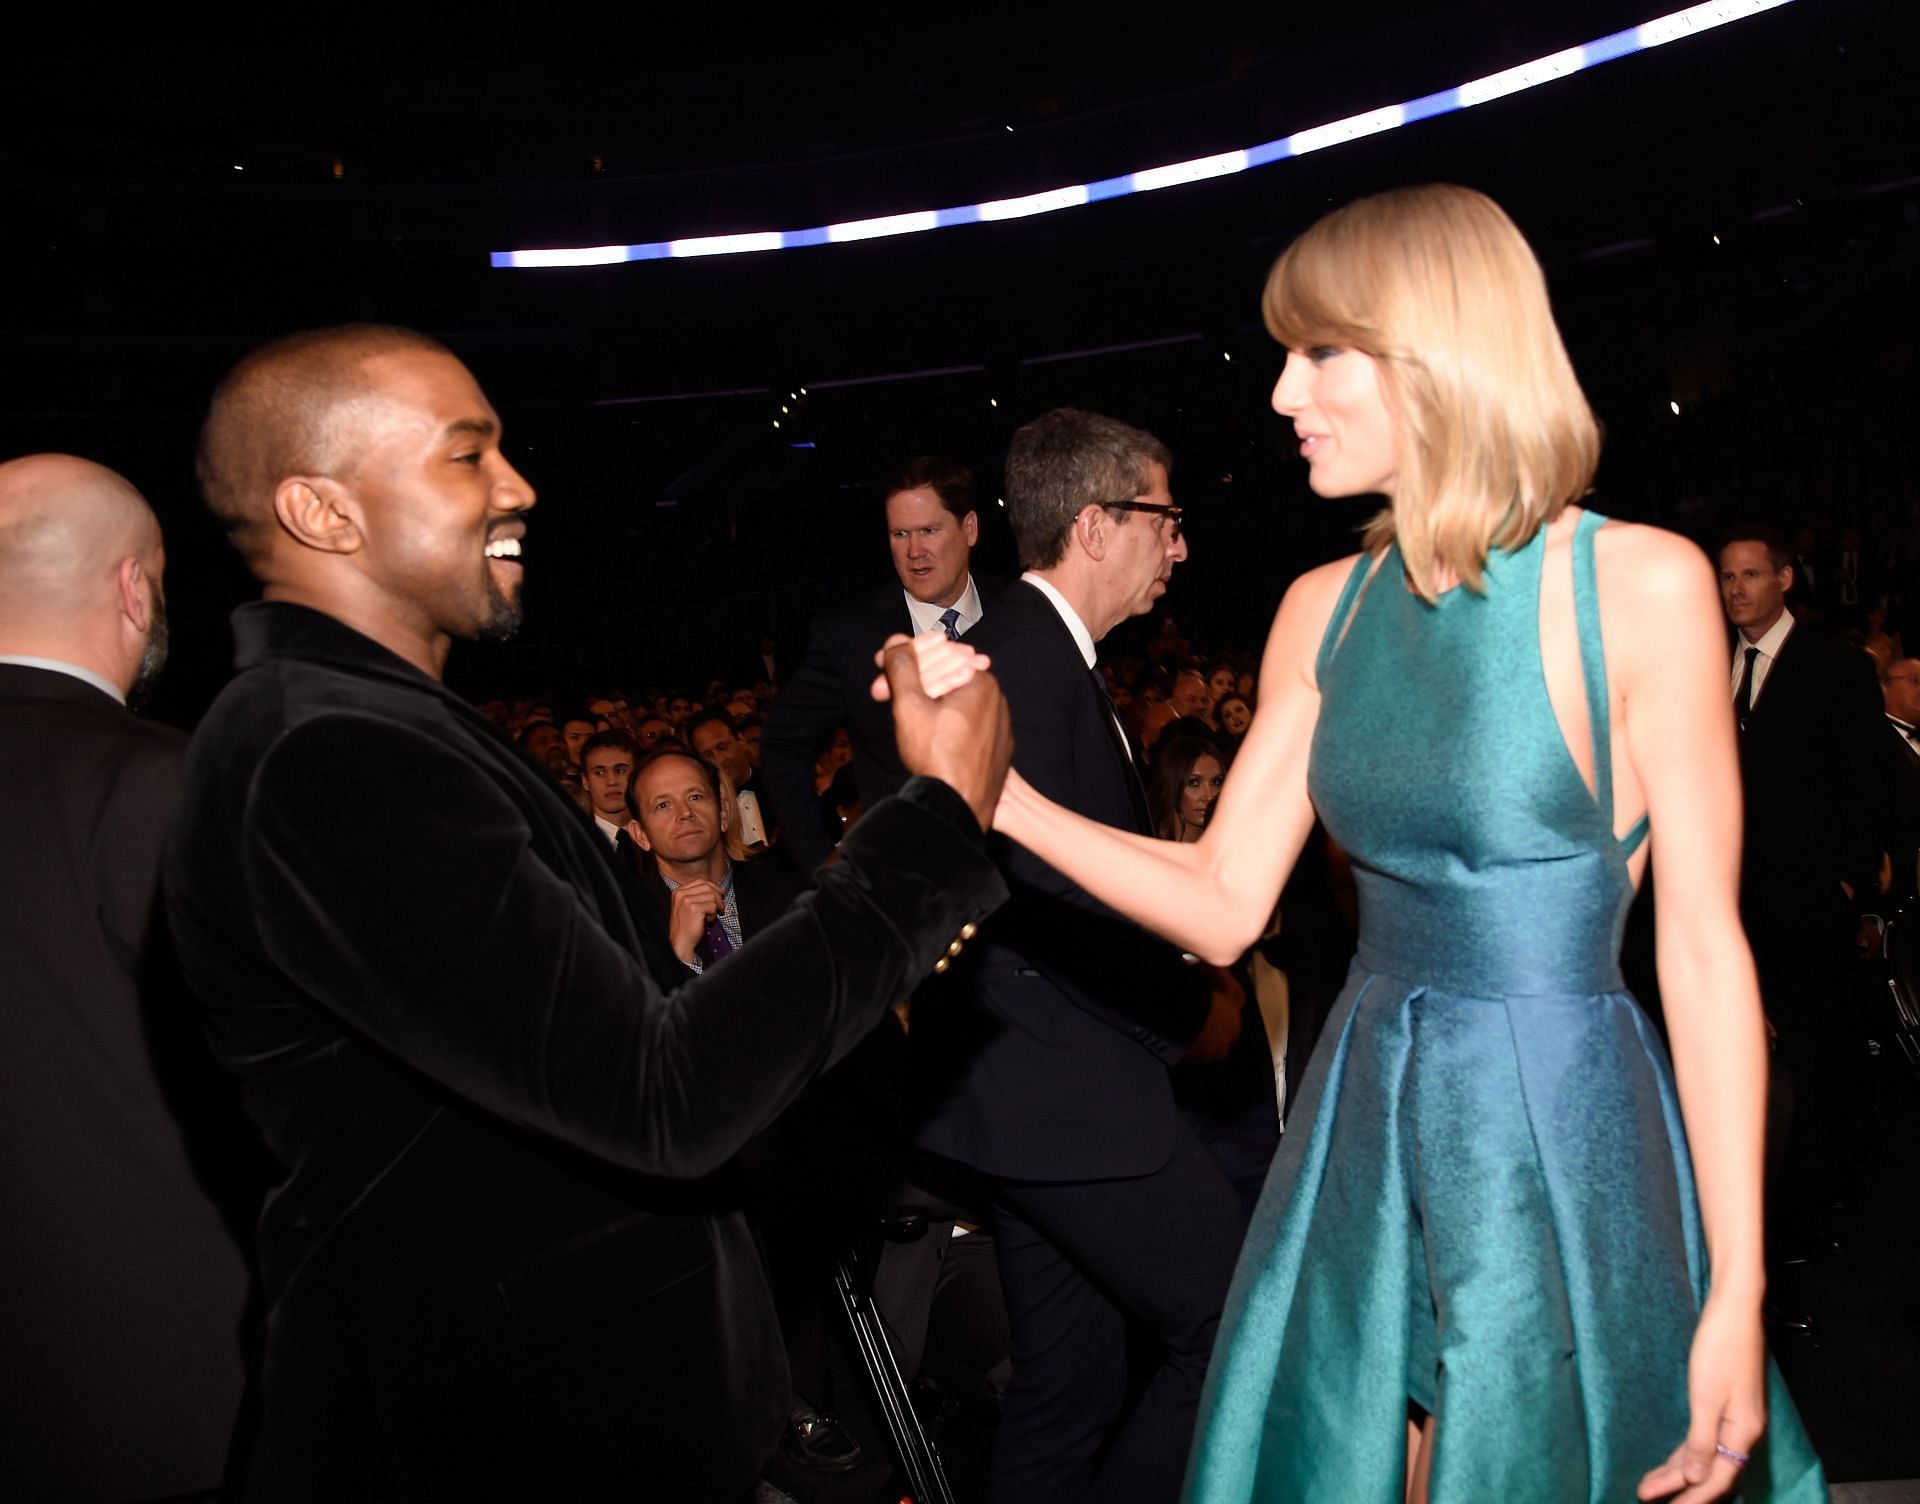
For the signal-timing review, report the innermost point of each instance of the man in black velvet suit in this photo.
(1818, 820)
(497, 1265)
(121, 1288)
(931, 530)
(1113, 1219)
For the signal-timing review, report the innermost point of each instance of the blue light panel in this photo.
(1542, 70)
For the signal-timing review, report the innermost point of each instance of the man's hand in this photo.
(964, 737)
(694, 906)
(944, 665)
(1222, 1028)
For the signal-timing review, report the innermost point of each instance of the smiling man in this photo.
(479, 1282)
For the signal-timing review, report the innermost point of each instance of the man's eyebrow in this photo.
(479, 428)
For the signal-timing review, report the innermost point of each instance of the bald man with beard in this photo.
(120, 1288)
(499, 1262)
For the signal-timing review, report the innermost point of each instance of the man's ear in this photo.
(726, 814)
(970, 528)
(1092, 530)
(319, 513)
(136, 604)
(1786, 574)
(639, 834)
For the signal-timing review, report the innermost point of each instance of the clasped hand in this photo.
(949, 717)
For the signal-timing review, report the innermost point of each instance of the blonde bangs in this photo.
(1440, 288)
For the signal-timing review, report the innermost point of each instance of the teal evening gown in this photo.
(1488, 1208)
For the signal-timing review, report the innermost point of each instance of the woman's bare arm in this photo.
(1667, 642)
(1212, 896)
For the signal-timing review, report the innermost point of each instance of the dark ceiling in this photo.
(171, 206)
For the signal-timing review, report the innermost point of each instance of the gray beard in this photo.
(153, 658)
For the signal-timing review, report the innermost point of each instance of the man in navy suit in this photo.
(932, 528)
(1113, 1219)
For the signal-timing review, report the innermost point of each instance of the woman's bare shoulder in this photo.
(1637, 562)
(1301, 622)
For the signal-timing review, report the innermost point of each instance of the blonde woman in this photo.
(1481, 1268)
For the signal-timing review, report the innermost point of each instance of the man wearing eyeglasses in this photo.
(1112, 1218)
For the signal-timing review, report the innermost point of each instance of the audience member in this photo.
(1235, 715)
(607, 759)
(576, 725)
(711, 734)
(1191, 696)
(652, 730)
(932, 527)
(1187, 775)
(121, 1287)
(1900, 693)
(481, 1282)
(545, 745)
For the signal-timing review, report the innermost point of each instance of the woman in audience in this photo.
(1481, 1268)
(1235, 715)
(1187, 774)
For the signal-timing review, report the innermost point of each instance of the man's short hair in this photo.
(619, 741)
(1064, 461)
(659, 754)
(704, 717)
(275, 414)
(533, 724)
(948, 479)
(1779, 551)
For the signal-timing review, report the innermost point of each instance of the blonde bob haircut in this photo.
(1493, 434)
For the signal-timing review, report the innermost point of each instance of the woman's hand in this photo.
(1726, 1391)
(945, 665)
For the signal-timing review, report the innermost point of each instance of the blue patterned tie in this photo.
(950, 619)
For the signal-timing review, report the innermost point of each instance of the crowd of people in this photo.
(493, 1092)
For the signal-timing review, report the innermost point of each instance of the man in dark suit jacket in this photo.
(1818, 821)
(1111, 1214)
(931, 530)
(121, 1287)
(494, 1266)
(679, 881)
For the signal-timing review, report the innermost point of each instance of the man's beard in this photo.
(153, 657)
(504, 616)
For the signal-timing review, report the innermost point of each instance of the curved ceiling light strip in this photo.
(1542, 70)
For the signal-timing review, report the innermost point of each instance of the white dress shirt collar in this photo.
(71, 670)
(1769, 646)
(926, 618)
(1081, 636)
(608, 828)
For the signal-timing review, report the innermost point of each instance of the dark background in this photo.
(172, 205)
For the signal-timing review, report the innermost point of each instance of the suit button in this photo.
(954, 949)
(942, 964)
(969, 930)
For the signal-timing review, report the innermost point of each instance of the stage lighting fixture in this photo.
(1543, 70)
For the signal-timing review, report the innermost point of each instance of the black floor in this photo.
(1855, 1375)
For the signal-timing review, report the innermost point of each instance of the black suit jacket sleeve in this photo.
(1865, 785)
(464, 954)
(1105, 963)
(802, 718)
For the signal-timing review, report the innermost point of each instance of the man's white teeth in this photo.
(504, 548)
